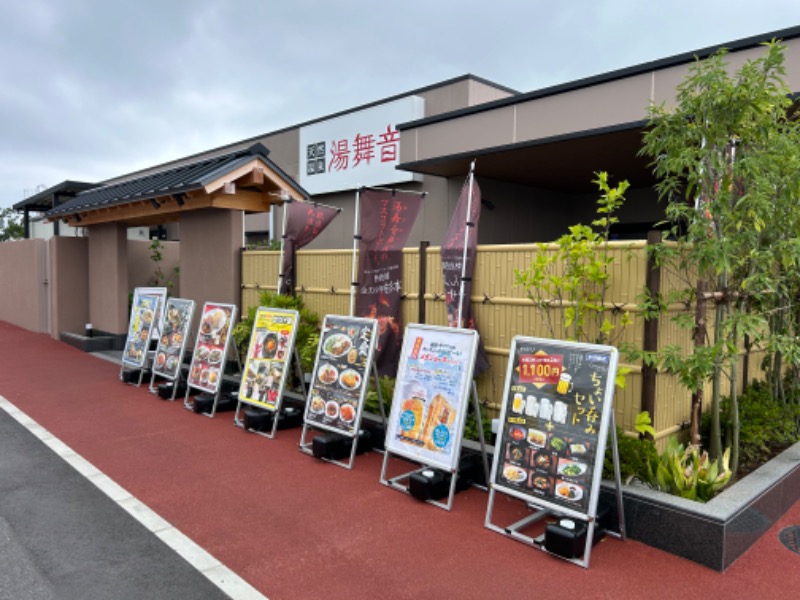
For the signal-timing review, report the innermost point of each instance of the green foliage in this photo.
(576, 276)
(643, 424)
(727, 155)
(10, 225)
(371, 401)
(308, 329)
(768, 425)
(161, 279)
(265, 245)
(635, 454)
(688, 472)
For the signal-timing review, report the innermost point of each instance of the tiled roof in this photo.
(176, 180)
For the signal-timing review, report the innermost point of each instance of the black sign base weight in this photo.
(204, 403)
(434, 483)
(333, 446)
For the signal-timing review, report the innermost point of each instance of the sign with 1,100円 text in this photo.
(172, 341)
(211, 347)
(341, 374)
(431, 394)
(554, 422)
(268, 356)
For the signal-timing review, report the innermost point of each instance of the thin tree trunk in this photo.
(700, 315)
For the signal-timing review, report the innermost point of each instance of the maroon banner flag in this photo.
(386, 221)
(304, 222)
(452, 253)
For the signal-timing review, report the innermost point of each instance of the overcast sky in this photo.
(93, 89)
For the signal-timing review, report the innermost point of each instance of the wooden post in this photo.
(423, 278)
(650, 341)
(699, 340)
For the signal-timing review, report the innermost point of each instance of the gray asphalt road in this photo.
(62, 538)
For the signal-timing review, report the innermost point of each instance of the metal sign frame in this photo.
(350, 331)
(412, 415)
(198, 361)
(268, 333)
(160, 293)
(168, 348)
(560, 386)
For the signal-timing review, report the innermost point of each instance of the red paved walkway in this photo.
(295, 527)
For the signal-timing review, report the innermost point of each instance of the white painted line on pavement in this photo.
(225, 579)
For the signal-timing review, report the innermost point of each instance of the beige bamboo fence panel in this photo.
(502, 309)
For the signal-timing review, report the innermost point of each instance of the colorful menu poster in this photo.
(431, 394)
(144, 317)
(268, 357)
(554, 421)
(341, 374)
(172, 342)
(211, 347)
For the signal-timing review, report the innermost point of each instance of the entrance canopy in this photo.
(242, 180)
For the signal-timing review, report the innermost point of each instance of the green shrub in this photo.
(688, 472)
(635, 453)
(767, 425)
(308, 329)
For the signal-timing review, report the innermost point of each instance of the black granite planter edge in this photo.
(715, 533)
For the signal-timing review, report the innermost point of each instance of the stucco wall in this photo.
(108, 278)
(22, 287)
(141, 268)
(211, 241)
(69, 284)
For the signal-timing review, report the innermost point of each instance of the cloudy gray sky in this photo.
(92, 89)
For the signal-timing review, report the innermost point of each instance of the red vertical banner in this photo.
(386, 219)
(463, 225)
(304, 222)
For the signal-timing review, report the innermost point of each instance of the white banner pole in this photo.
(467, 228)
(356, 236)
(281, 274)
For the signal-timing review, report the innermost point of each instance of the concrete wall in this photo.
(108, 278)
(22, 288)
(211, 241)
(69, 284)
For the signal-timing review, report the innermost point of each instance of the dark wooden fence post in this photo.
(423, 280)
(650, 341)
(699, 340)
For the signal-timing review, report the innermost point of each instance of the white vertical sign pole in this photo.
(469, 225)
(356, 237)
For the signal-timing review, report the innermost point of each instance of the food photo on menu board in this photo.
(171, 343)
(432, 386)
(208, 360)
(268, 355)
(143, 317)
(552, 421)
(341, 373)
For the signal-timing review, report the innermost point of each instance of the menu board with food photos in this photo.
(341, 374)
(172, 342)
(431, 394)
(144, 319)
(211, 347)
(554, 422)
(268, 357)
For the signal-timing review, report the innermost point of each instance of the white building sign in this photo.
(359, 148)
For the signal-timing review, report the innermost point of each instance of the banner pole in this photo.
(467, 227)
(281, 274)
(356, 236)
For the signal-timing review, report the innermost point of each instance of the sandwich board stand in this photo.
(426, 422)
(147, 311)
(338, 387)
(210, 356)
(267, 367)
(556, 416)
(171, 347)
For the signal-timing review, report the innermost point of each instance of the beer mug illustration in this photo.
(519, 404)
(564, 383)
(531, 406)
(545, 409)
